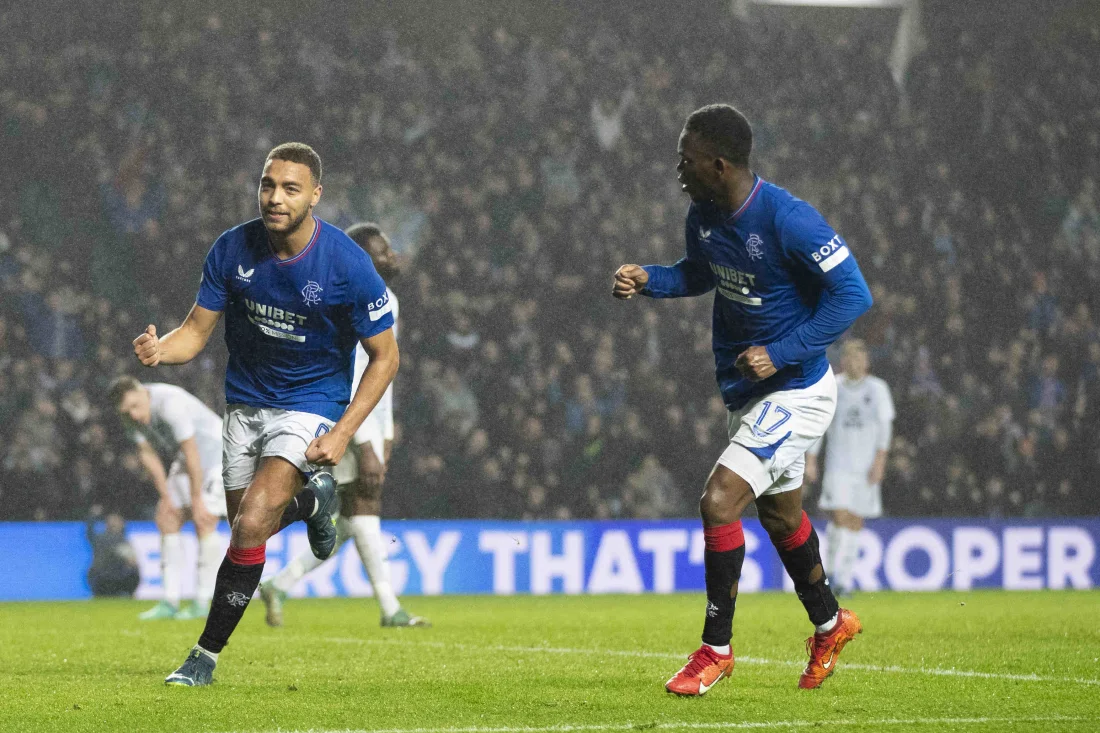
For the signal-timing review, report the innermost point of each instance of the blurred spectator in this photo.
(515, 168)
(114, 570)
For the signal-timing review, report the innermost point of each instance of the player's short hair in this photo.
(299, 153)
(854, 345)
(362, 232)
(725, 129)
(121, 387)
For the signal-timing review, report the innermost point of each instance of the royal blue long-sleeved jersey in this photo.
(783, 279)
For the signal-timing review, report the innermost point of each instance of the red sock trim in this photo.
(247, 555)
(725, 538)
(799, 537)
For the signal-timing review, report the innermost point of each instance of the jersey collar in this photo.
(304, 252)
(757, 183)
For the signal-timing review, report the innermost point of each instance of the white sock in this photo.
(294, 571)
(826, 627)
(297, 568)
(724, 650)
(846, 561)
(210, 556)
(171, 560)
(367, 529)
(212, 655)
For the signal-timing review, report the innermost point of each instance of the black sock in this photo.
(238, 577)
(801, 557)
(300, 507)
(722, 560)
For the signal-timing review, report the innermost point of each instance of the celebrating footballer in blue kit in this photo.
(787, 287)
(298, 296)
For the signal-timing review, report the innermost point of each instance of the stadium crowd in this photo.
(515, 172)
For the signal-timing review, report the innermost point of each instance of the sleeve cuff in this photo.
(776, 359)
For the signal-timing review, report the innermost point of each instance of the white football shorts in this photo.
(179, 488)
(851, 492)
(252, 433)
(770, 435)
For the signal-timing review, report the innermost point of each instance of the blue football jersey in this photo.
(769, 262)
(291, 325)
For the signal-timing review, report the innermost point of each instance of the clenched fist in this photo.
(755, 364)
(629, 281)
(147, 347)
(326, 450)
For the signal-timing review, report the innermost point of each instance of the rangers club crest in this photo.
(312, 293)
(755, 246)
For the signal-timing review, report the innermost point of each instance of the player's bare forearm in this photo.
(150, 461)
(181, 345)
(380, 372)
(878, 468)
(328, 449)
(186, 342)
(190, 449)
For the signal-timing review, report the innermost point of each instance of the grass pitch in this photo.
(977, 661)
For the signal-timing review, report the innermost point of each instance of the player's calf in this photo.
(801, 556)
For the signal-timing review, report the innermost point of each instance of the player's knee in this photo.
(205, 527)
(723, 500)
(253, 525)
(167, 521)
(365, 504)
(370, 488)
(779, 523)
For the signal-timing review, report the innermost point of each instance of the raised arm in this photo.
(181, 345)
(689, 277)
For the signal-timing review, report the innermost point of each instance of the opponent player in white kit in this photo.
(359, 475)
(297, 295)
(856, 446)
(171, 416)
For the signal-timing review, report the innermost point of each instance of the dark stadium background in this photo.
(131, 135)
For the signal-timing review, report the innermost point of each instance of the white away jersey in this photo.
(382, 414)
(177, 414)
(861, 427)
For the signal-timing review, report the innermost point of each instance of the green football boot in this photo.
(193, 610)
(160, 612)
(402, 618)
(273, 601)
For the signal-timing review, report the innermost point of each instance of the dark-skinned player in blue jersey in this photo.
(298, 295)
(787, 286)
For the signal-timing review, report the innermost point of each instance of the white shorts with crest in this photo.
(252, 433)
(770, 435)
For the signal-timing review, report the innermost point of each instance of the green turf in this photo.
(94, 667)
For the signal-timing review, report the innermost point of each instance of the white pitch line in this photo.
(685, 725)
(890, 669)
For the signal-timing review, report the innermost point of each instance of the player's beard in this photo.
(292, 224)
(298, 222)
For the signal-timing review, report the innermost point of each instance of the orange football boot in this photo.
(702, 672)
(825, 648)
